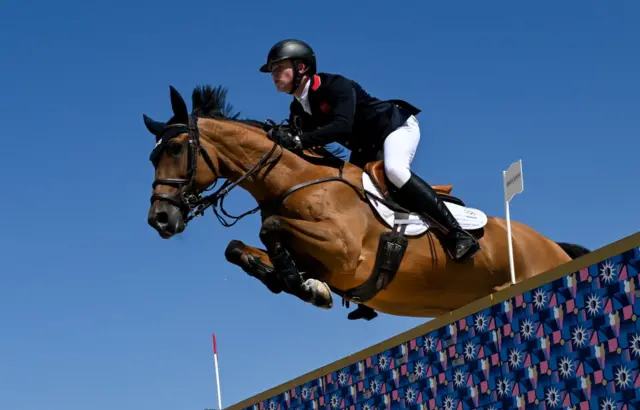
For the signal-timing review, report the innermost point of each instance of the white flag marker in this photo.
(513, 185)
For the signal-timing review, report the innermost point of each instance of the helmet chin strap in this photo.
(297, 78)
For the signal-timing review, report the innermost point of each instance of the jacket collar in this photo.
(315, 82)
(308, 92)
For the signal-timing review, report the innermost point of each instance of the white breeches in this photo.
(399, 149)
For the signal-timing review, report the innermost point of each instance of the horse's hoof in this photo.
(322, 297)
(234, 252)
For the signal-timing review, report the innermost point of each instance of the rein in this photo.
(211, 200)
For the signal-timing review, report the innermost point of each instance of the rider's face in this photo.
(282, 75)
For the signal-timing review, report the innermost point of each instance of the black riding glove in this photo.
(286, 138)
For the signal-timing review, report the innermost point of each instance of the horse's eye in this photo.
(174, 148)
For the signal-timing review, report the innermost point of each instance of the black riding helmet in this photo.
(295, 50)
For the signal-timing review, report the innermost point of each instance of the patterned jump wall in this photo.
(568, 339)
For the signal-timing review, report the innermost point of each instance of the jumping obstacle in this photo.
(569, 338)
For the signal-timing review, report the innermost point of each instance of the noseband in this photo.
(190, 203)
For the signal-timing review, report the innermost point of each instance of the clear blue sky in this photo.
(96, 311)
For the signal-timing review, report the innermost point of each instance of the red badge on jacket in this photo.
(325, 107)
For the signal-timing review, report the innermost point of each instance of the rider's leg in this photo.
(414, 193)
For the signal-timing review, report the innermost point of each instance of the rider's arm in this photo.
(343, 103)
(296, 113)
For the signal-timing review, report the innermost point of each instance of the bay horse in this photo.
(328, 226)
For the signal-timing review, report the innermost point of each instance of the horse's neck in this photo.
(239, 148)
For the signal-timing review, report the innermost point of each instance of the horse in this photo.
(328, 226)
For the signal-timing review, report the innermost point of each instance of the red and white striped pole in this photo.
(215, 363)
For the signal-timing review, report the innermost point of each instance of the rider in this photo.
(330, 108)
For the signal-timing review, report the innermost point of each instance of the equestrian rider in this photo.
(330, 108)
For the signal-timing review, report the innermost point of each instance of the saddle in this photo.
(393, 243)
(375, 170)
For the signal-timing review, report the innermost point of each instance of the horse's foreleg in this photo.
(255, 262)
(305, 236)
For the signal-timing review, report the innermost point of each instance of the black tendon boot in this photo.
(286, 268)
(418, 196)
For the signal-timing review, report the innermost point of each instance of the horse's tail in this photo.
(573, 250)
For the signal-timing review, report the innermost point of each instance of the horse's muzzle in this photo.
(166, 218)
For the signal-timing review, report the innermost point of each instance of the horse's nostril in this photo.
(162, 218)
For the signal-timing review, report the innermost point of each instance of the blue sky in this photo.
(96, 311)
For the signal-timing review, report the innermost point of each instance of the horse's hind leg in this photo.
(255, 262)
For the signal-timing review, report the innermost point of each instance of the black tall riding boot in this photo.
(418, 196)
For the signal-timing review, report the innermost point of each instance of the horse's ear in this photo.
(178, 105)
(154, 127)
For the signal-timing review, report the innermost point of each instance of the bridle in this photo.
(194, 204)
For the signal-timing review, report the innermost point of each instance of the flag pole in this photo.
(215, 363)
(513, 184)
(509, 239)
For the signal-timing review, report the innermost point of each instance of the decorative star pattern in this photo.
(573, 343)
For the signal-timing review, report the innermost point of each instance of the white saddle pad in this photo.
(468, 218)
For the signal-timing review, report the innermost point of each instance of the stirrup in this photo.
(452, 240)
(470, 252)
